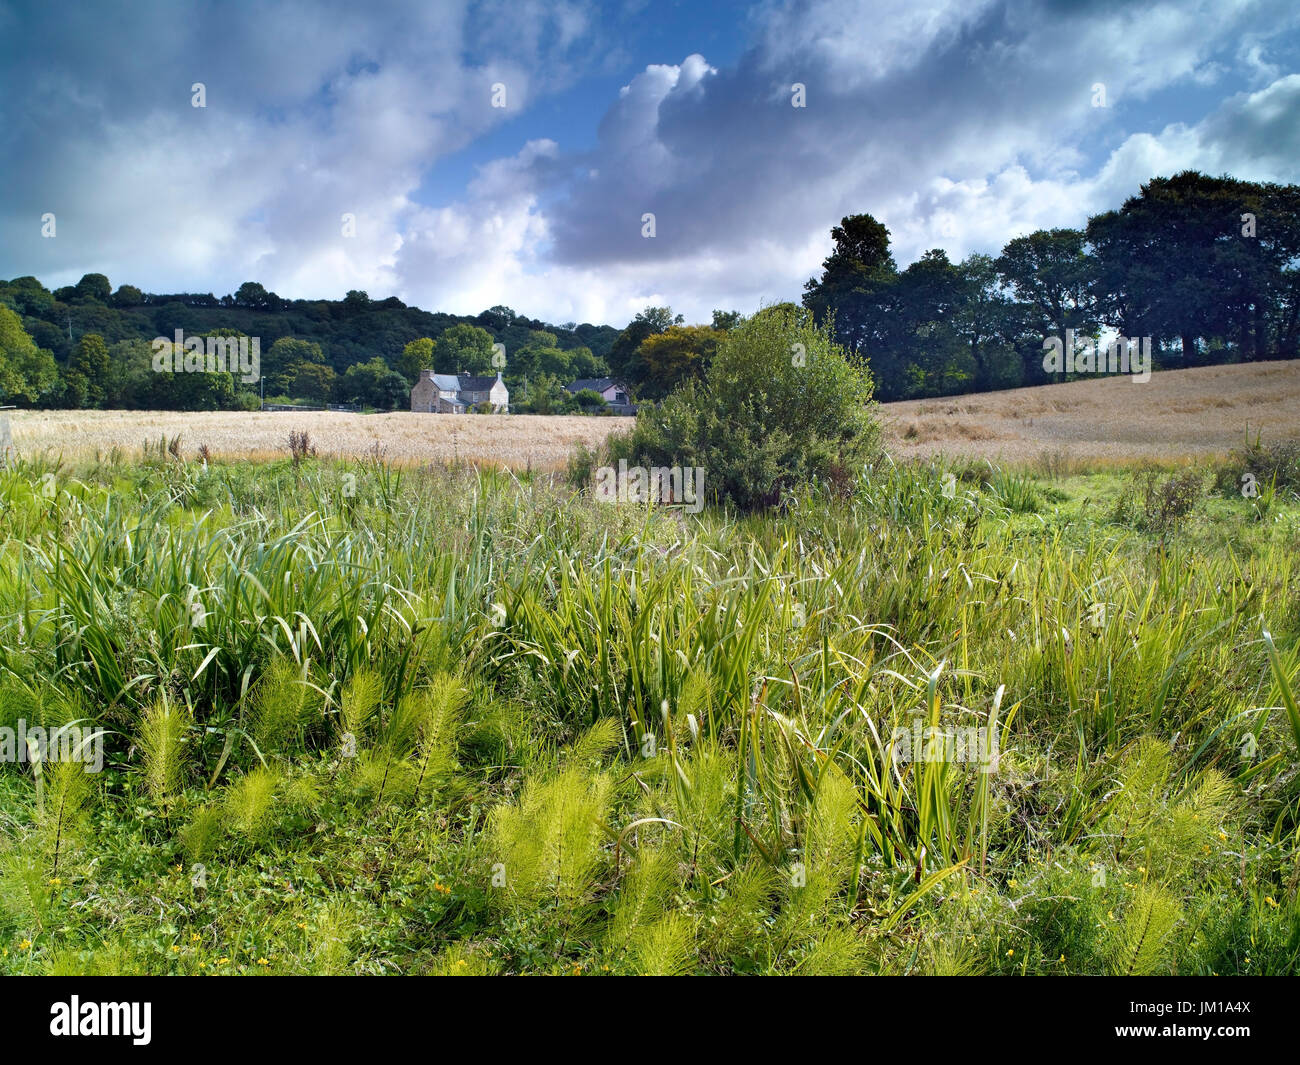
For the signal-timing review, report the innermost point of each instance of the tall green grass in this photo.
(558, 734)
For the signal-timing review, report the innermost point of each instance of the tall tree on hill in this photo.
(855, 285)
(94, 287)
(1196, 259)
(1051, 271)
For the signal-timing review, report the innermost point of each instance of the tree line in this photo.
(90, 346)
(1207, 267)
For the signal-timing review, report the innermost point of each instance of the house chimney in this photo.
(426, 375)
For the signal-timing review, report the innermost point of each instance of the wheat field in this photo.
(519, 441)
(1201, 412)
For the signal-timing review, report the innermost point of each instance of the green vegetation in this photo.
(1183, 262)
(445, 721)
(86, 346)
(780, 406)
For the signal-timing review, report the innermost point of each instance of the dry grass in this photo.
(1177, 414)
(519, 441)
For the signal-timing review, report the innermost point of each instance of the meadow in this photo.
(361, 718)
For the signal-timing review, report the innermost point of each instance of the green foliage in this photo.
(1141, 940)
(465, 722)
(1156, 503)
(163, 728)
(26, 372)
(781, 407)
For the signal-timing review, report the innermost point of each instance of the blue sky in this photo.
(958, 123)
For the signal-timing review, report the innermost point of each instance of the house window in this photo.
(620, 397)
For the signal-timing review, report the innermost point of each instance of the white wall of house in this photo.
(499, 397)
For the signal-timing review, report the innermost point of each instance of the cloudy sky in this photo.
(958, 123)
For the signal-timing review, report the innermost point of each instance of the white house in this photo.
(612, 392)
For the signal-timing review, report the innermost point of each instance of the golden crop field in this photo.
(1183, 413)
(1199, 412)
(516, 441)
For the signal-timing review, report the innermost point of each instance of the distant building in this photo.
(614, 393)
(445, 393)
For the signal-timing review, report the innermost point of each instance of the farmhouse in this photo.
(611, 391)
(445, 393)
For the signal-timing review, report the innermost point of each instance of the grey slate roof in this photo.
(595, 384)
(469, 383)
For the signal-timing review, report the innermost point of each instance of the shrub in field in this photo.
(1158, 504)
(781, 406)
(1259, 470)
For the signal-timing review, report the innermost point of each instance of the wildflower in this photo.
(194, 937)
(223, 961)
(1011, 952)
(25, 944)
(56, 881)
(1271, 901)
(302, 924)
(1012, 883)
(175, 949)
(1223, 835)
(1062, 958)
(1110, 914)
(262, 961)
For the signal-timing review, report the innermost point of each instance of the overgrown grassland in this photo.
(444, 721)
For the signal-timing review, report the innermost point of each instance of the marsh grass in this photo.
(447, 720)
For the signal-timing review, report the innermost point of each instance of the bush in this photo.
(781, 406)
(1155, 505)
(1275, 465)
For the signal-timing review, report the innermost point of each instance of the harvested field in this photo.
(1177, 414)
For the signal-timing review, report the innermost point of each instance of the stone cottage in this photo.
(444, 393)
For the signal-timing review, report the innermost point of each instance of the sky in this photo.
(957, 123)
